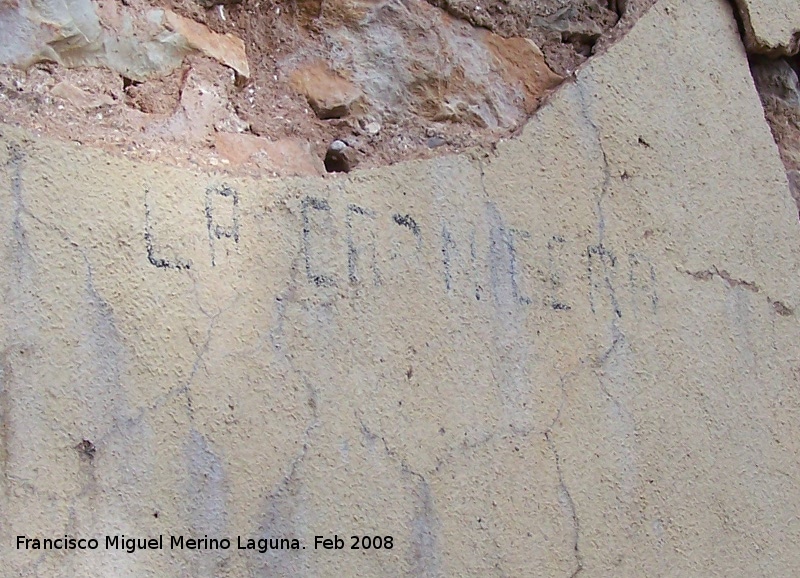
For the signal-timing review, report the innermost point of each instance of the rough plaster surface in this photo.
(771, 26)
(577, 354)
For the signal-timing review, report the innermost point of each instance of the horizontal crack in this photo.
(779, 307)
(732, 282)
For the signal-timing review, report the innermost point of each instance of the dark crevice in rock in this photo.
(740, 21)
(618, 7)
(776, 80)
(775, 74)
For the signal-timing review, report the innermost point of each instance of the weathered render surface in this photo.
(574, 355)
(771, 26)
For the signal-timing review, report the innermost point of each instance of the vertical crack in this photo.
(600, 249)
(426, 558)
(569, 504)
(564, 494)
(601, 223)
(612, 373)
(284, 507)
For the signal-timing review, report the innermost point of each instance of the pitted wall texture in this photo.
(574, 354)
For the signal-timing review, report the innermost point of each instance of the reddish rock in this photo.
(328, 94)
(80, 97)
(285, 157)
(521, 63)
(225, 48)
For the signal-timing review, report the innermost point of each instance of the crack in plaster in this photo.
(120, 427)
(21, 253)
(600, 250)
(464, 446)
(405, 468)
(200, 353)
(185, 388)
(708, 274)
(565, 495)
(618, 339)
(426, 561)
(616, 333)
(313, 402)
(280, 517)
(569, 504)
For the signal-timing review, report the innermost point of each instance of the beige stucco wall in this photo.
(577, 352)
